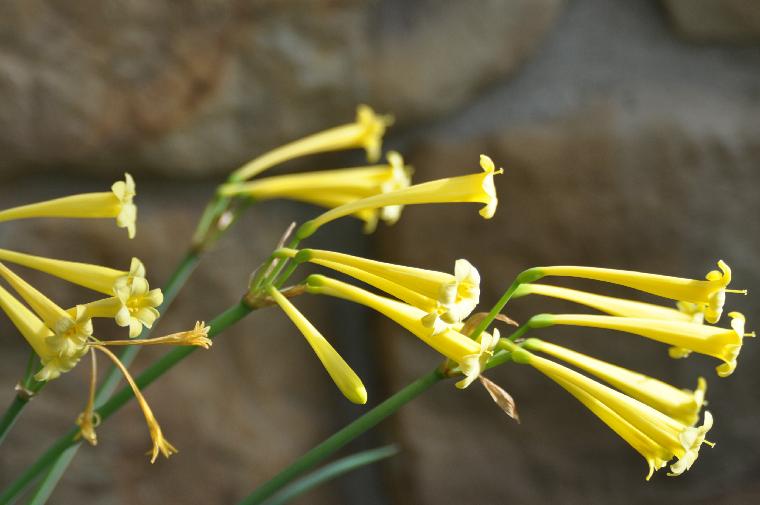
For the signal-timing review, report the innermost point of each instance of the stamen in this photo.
(160, 444)
(737, 291)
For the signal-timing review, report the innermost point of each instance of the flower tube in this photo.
(670, 437)
(475, 188)
(467, 353)
(116, 203)
(366, 132)
(679, 404)
(709, 294)
(134, 306)
(342, 375)
(95, 277)
(721, 343)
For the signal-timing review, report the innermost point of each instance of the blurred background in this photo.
(630, 136)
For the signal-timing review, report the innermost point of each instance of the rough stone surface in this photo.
(197, 88)
(733, 21)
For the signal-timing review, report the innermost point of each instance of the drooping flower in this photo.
(333, 188)
(475, 188)
(467, 353)
(366, 132)
(721, 343)
(117, 203)
(447, 299)
(341, 373)
(657, 436)
(680, 404)
(98, 278)
(709, 294)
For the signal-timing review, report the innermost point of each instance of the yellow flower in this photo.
(37, 334)
(679, 404)
(709, 294)
(116, 203)
(134, 306)
(333, 188)
(98, 278)
(477, 188)
(467, 353)
(342, 375)
(657, 436)
(610, 305)
(366, 132)
(447, 299)
(721, 343)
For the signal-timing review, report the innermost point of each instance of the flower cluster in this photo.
(61, 337)
(655, 418)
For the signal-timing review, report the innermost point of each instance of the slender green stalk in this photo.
(486, 322)
(153, 372)
(55, 473)
(343, 437)
(331, 471)
(27, 388)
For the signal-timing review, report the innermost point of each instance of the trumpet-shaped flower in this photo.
(679, 404)
(477, 188)
(95, 277)
(70, 331)
(709, 294)
(133, 306)
(333, 188)
(342, 375)
(467, 353)
(611, 305)
(669, 437)
(447, 299)
(36, 333)
(116, 203)
(366, 132)
(721, 343)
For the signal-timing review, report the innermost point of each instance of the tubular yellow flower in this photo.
(88, 420)
(134, 306)
(116, 203)
(476, 188)
(673, 437)
(71, 331)
(160, 444)
(333, 188)
(459, 348)
(366, 132)
(446, 299)
(721, 343)
(37, 334)
(682, 405)
(95, 277)
(610, 305)
(709, 294)
(342, 375)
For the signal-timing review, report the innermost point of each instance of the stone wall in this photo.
(630, 137)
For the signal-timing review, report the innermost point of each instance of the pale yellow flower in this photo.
(680, 404)
(476, 188)
(333, 188)
(668, 437)
(611, 305)
(116, 203)
(198, 337)
(366, 132)
(133, 306)
(721, 343)
(467, 353)
(709, 294)
(341, 373)
(98, 278)
(447, 299)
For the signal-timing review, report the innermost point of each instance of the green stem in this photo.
(28, 388)
(486, 322)
(342, 437)
(153, 372)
